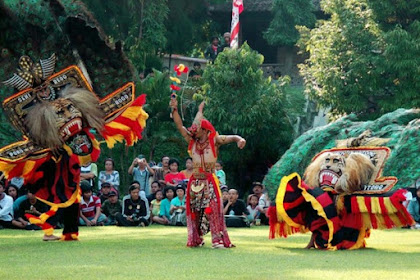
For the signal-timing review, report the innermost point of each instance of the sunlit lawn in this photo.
(159, 252)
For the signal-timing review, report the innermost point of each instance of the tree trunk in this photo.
(141, 19)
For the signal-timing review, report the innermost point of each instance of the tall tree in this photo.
(365, 58)
(287, 15)
(241, 101)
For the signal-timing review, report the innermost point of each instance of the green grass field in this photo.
(159, 252)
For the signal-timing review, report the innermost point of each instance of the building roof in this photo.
(251, 6)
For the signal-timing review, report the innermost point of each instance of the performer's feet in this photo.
(70, 237)
(51, 237)
(218, 245)
(311, 243)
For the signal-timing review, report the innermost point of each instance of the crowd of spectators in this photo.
(156, 195)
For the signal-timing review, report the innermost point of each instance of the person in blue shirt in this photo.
(178, 213)
(165, 207)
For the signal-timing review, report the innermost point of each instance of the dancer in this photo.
(204, 206)
(56, 114)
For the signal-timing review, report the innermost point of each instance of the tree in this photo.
(288, 14)
(365, 57)
(241, 101)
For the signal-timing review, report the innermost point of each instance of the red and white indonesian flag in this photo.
(237, 8)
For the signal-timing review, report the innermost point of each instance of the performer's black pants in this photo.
(71, 218)
(122, 221)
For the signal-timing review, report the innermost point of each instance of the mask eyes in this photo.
(336, 160)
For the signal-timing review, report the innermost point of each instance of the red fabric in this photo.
(175, 178)
(89, 209)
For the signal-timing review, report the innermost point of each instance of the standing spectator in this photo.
(141, 172)
(12, 191)
(252, 208)
(236, 210)
(177, 211)
(188, 171)
(220, 173)
(90, 207)
(165, 207)
(263, 201)
(89, 172)
(174, 178)
(111, 208)
(213, 50)
(226, 42)
(135, 209)
(414, 209)
(160, 172)
(154, 188)
(196, 72)
(109, 175)
(155, 204)
(6, 211)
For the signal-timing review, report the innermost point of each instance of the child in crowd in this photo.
(165, 207)
(155, 204)
(252, 208)
(173, 178)
(135, 209)
(220, 173)
(188, 171)
(111, 207)
(177, 211)
(154, 187)
(90, 207)
(12, 191)
(225, 194)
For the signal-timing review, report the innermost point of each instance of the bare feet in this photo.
(50, 238)
(311, 243)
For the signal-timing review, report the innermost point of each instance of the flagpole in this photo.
(237, 8)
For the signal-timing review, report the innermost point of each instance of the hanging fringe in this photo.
(128, 125)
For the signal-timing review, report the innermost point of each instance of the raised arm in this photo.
(178, 121)
(226, 139)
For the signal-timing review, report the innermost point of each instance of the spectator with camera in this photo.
(141, 172)
(135, 209)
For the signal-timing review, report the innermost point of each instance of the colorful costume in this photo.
(342, 197)
(204, 205)
(57, 118)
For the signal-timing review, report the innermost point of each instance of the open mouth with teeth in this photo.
(71, 128)
(80, 144)
(328, 178)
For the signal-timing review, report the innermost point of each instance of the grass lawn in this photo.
(159, 252)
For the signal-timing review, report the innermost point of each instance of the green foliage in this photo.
(287, 15)
(401, 126)
(365, 58)
(241, 101)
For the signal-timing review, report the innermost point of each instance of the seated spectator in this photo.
(89, 172)
(6, 211)
(34, 207)
(154, 188)
(90, 207)
(141, 172)
(105, 191)
(111, 208)
(225, 194)
(177, 211)
(109, 175)
(165, 207)
(135, 209)
(220, 173)
(188, 171)
(12, 191)
(235, 210)
(196, 72)
(155, 206)
(263, 201)
(254, 214)
(414, 209)
(174, 178)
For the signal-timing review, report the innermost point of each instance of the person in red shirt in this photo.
(174, 178)
(90, 207)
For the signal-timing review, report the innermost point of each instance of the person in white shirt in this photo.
(6, 211)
